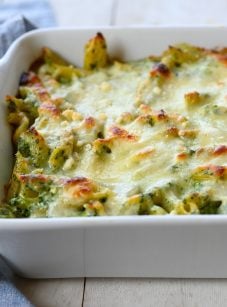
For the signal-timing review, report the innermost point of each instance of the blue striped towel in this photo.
(9, 295)
(19, 17)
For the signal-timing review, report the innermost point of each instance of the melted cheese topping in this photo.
(138, 142)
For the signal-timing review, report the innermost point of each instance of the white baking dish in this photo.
(143, 246)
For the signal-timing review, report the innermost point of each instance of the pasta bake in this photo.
(145, 137)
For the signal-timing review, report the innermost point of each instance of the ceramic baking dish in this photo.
(137, 246)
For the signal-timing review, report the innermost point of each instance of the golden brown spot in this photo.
(34, 131)
(160, 70)
(192, 98)
(33, 81)
(219, 171)
(78, 186)
(49, 108)
(122, 133)
(172, 131)
(217, 151)
(89, 122)
(161, 115)
(145, 153)
(182, 156)
(99, 36)
(220, 150)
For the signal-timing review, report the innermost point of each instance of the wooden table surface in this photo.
(131, 292)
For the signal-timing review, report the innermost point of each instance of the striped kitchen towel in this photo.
(19, 17)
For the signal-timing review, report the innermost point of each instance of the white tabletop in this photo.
(131, 292)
